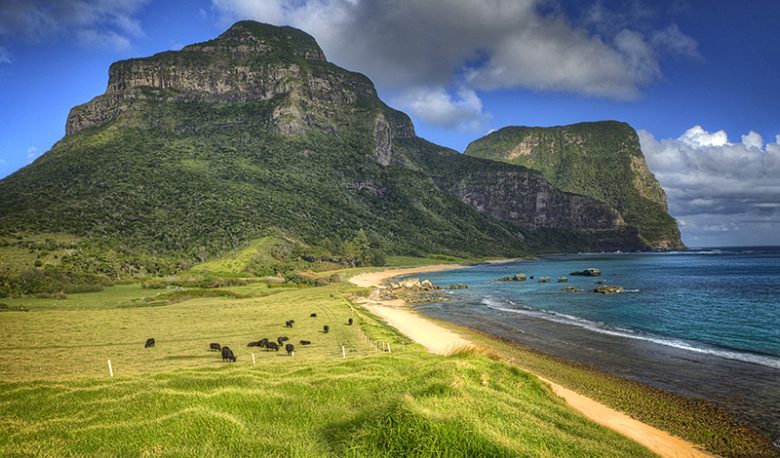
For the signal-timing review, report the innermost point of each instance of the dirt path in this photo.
(440, 340)
(376, 279)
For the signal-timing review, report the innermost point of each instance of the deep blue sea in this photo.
(722, 302)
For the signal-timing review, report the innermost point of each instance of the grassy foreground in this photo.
(56, 398)
(695, 420)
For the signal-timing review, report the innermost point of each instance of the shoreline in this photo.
(440, 340)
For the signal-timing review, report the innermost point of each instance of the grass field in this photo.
(56, 398)
(695, 420)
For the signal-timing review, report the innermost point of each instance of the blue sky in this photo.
(693, 77)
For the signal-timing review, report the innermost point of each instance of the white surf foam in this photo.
(603, 328)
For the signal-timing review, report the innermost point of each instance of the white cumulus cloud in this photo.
(753, 140)
(437, 106)
(480, 45)
(697, 137)
(715, 185)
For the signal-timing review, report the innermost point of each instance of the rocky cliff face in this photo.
(250, 62)
(525, 199)
(602, 160)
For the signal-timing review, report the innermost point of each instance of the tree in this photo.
(357, 251)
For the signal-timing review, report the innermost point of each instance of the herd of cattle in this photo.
(269, 345)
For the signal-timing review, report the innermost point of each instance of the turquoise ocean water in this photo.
(724, 302)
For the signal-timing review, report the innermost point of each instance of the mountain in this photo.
(602, 160)
(195, 153)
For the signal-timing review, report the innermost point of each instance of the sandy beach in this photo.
(440, 340)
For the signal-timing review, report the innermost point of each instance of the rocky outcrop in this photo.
(242, 65)
(602, 160)
(589, 272)
(383, 149)
(606, 289)
(526, 200)
(414, 284)
(515, 277)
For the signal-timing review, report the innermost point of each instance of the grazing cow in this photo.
(290, 349)
(272, 346)
(253, 344)
(350, 321)
(305, 342)
(325, 329)
(227, 354)
(282, 339)
(214, 347)
(289, 323)
(149, 343)
(313, 315)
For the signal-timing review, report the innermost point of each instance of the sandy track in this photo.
(376, 279)
(440, 340)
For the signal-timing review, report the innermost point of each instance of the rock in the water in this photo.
(571, 289)
(458, 286)
(589, 272)
(563, 279)
(516, 277)
(606, 289)
(545, 279)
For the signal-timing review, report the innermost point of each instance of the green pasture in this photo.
(179, 399)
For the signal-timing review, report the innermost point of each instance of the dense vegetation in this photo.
(169, 196)
(599, 159)
(174, 176)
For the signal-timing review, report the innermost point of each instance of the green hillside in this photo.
(598, 159)
(192, 155)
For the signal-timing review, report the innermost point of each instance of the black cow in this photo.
(149, 343)
(305, 342)
(282, 339)
(325, 329)
(253, 344)
(289, 323)
(227, 354)
(313, 315)
(350, 321)
(214, 347)
(272, 346)
(290, 349)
